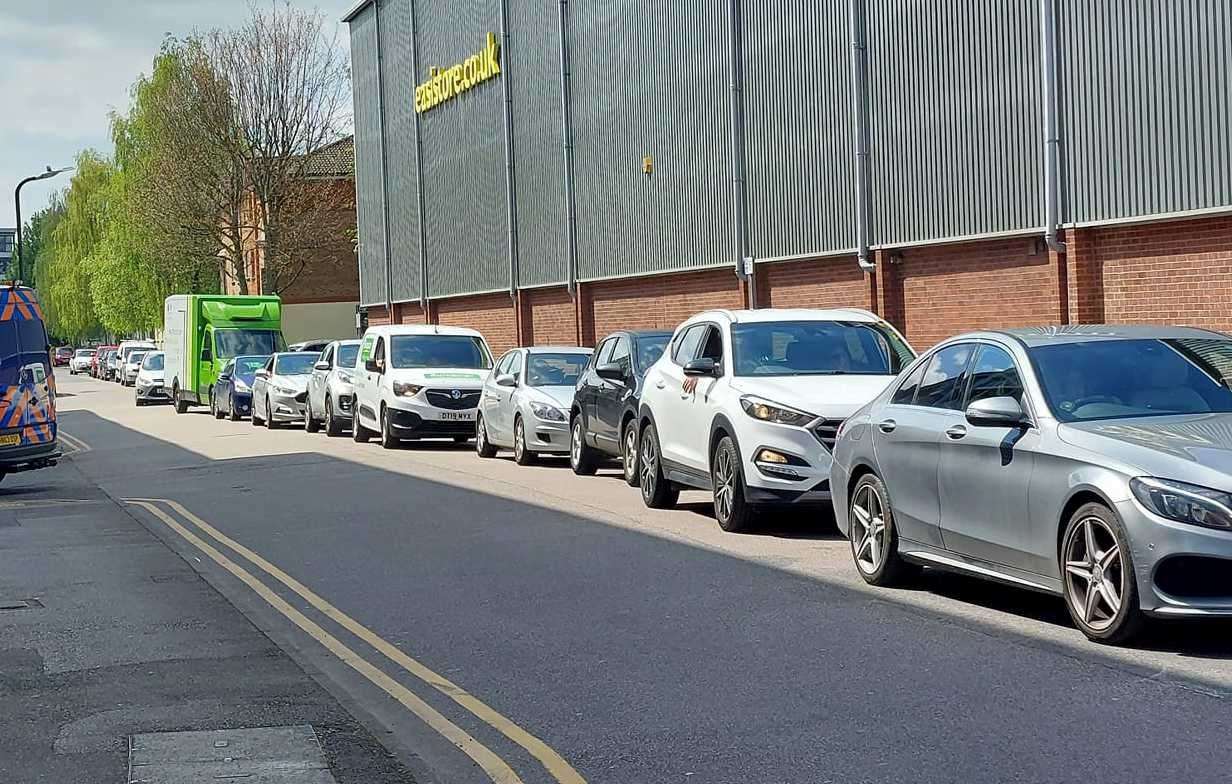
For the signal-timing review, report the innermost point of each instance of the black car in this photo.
(605, 403)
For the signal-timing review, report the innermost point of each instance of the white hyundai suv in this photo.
(418, 381)
(747, 404)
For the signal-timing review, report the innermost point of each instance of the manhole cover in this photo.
(270, 755)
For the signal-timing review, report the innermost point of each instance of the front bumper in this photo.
(420, 422)
(1171, 563)
(152, 392)
(342, 398)
(286, 408)
(546, 437)
(242, 401)
(805, 479)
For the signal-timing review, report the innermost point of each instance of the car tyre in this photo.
(628, 453)
(270, 424)
(332, 427)
(522, 454)
(483, 447)
(387, 437)
(214, 406)
(873, 536)
(181, 406)
(582, 457)
(657, 491)
(359, 433)
(733, 512)
(310, 423)
(233, 412)
(1097, 568)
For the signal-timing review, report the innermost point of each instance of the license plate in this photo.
(457, 416)
(13, 439)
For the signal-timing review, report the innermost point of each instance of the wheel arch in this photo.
(1079, 497)
(721, 426)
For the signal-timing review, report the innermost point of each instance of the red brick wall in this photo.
(1166, 273)
(827, 283)
(492, 314)
(377, 316)
(408, 313)
(551, 318)
(947, 289)
(659, 302)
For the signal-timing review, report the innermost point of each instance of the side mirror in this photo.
(611, 371)
(321, 366)
(506, 380)
(262, 373)
(373, 366)
(705, 366)
(996, 412)
(224, 376)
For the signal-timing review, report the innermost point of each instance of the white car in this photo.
(80, 363)
(747, 404)
(119, 360)
(148, 385)
(526, 402)
(419, 381)
(280, 389)
(331, 389)
(132, 365)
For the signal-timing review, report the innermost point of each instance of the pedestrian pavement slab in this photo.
(260, 755)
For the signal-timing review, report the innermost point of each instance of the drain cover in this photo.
(269, 755)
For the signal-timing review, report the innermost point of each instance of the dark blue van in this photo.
(28, 437)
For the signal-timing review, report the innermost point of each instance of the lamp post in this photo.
(17, 203)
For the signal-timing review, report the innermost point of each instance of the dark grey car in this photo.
(1093, 462)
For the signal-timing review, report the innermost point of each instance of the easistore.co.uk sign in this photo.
(444, 84)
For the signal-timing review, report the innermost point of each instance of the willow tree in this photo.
(66, 279)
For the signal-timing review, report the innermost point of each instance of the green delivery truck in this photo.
(202, 331)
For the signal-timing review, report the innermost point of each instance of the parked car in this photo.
(526, 402)
(603, 418)
(746, 404)
(132, 365)
(331, 389)
(149, 386)
(107, 371)
(280, 388)
(120, 360)
(82, 359)
(98, 364)
(62, 356)
(419, 381)
(315, 346)
(231, 394)
(1089, 462)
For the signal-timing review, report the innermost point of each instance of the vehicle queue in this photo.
(1088, 462)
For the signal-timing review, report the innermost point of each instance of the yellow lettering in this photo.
(445, 83)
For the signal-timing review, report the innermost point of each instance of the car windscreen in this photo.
(438, 351)
(555, 370)
(649, 349)
(136, 356)
(297, 364)
(1114, 379)
(247, 365)
(153, 362)
(817, 348)
(347, 354)
(233, 342)
(85, 352)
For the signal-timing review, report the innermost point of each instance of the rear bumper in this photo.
(14, 459)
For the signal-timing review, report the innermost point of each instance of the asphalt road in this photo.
(489, 621)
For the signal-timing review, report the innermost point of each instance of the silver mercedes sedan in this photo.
(1093, 462)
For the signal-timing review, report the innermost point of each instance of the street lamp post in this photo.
(17, 203)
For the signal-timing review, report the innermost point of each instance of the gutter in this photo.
(860, 101)
(1052, 141)
(510, 183)
(745, 270)
(566, 122)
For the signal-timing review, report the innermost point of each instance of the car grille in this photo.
(826, 432)
(443, 398)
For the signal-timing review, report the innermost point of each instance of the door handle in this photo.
(887, 425)
(660, 384)
(956, 432)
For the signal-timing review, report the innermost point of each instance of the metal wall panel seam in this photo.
(380, 111)
(419, 173)
(510, 182)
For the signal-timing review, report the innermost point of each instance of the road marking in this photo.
(495, 767)
(76, 444)
(555, 764)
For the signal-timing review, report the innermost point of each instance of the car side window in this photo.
(621, 354)
(328, 356)
(378, 353)
(229, 368)
(994, 374)
(604, 354)
(945, 380)
(685, 347)
(502, 365)
(712, 345)
(905, 394)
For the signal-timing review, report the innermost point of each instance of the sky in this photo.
(65, 64)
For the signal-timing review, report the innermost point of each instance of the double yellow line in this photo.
(496, 768)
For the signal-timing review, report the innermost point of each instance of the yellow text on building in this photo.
(444, 84)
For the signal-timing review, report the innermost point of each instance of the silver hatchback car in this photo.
(1093, 462)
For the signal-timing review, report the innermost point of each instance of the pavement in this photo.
(489, 622)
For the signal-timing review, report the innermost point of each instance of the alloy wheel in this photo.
(868, 529)
(648, 459)
(630, 455)
(519, 442)
(575, 443)
(724, 484)
(1094, 573)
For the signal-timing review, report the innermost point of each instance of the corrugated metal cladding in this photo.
(798, 127)
(402, 184)
(534, 71)
(1147, 106)
(368, 176)
(650, 78)
(956, 123)
(463, 155)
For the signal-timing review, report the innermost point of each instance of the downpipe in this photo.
(510, 182)
(1052, 141)
(745, 269)
(566, 123)
(859, 99)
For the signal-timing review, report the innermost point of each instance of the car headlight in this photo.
(240, 386)
(344, 377)
(406, 390)
(284, 390)
(773, 412)
(1184, 502)
(547, 413)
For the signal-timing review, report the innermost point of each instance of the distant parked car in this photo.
(746, 404)
(231, 395)
(98, 363)
(106, 369)
(331, 388)
(315, 346)
(148, 386)
(1090, 462)
(62, 356)
(82, 359)
(132, 365)
(603, 418)
(526, 401)
(120, 360)
(280, 388)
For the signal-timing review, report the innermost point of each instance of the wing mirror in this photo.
(506, 380)
(321, 366)
(704, 366)
(997, 412)
(262, 373)
(611, 371)
(373, 366)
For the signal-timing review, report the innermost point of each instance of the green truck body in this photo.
(202, 331)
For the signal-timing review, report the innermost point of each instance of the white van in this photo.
(419, 381)
(121, 358)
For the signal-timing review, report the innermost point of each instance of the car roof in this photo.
(1084, 333)
(423, 329)
(765, 315)
(349, 342)
(557, 349)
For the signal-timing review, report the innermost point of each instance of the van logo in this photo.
(456, 394)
